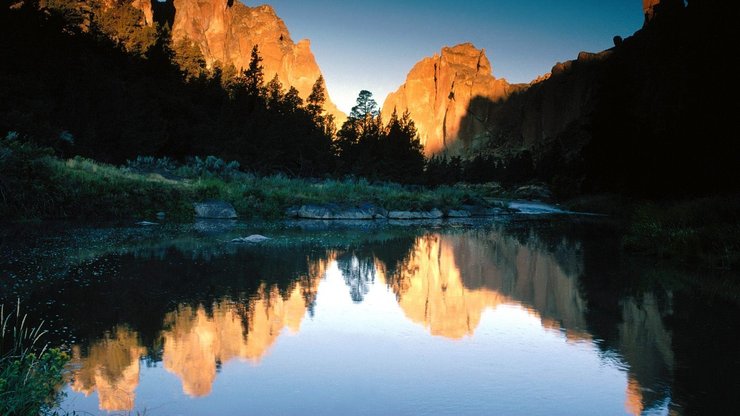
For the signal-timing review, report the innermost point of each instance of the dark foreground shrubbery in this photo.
(31, 374)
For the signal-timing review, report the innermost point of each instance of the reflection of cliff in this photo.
(449, 280)
(442, 281)
(433, 293)
(112, 368)
(646, 347)
(197, 342)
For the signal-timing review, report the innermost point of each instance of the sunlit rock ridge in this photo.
(226, 30)
(438, 92)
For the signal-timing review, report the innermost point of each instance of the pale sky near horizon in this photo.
(373, 45)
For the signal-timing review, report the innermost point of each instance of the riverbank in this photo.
(702, 231)
(34, 185)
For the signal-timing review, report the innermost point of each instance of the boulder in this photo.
(458, 213)
(415, 215)
(337, 212)
(292, 212)
(214, 210)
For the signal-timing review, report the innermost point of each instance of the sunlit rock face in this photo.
(648, 8)
(146, 7)
(653, 8)
(227, 30)
(438, 93)
(111, 368)
(196, 342)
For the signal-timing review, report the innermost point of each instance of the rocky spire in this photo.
(439, 93)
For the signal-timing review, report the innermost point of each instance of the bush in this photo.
(150, 164)
(31, 375)
(210, 167)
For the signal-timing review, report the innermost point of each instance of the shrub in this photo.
(210, 167)
(31, 374)
(150, 164)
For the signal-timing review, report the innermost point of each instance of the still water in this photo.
(518, 317)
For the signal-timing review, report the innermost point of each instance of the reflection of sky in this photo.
(368, 358)
(373, 45)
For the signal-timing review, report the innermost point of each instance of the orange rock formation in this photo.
(226, 31)
(438, 92)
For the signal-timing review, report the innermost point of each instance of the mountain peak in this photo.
(225, 31)
(439, 91)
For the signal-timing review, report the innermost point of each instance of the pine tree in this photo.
(254, 75)
(316, 99)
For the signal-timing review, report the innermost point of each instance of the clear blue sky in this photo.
(373, 44)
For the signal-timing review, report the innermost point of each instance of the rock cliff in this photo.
(226, 30)
(438, 93)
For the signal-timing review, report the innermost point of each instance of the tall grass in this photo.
(31, 374)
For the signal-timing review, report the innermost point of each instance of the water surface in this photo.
(530, 317)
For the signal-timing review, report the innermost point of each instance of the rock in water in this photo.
(252, 239)
(146, 223)
(214, 210)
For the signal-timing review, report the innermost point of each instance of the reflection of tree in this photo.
(360, 265)
(359, 274)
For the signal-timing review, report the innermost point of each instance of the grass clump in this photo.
(705, 231)
(31, 374)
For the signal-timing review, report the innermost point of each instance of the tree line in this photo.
(91, 79)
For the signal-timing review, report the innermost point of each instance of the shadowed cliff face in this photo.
(638, 118)
(438, 93)
(538, 113)
(225, 31)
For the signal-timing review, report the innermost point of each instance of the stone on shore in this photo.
(214, 210)
(337, 212)
(416, 215)
(458, 213)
